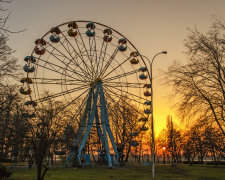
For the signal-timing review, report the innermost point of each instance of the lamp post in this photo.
(152, 121)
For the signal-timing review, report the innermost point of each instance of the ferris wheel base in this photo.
(91, 117)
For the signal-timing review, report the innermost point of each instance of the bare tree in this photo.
(200, 84)
(45, 130)
(9, 113)
(193, 145)
(8, 63)
(8, 71)
(174, 140)
(125, 118)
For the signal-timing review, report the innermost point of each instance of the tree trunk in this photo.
(39, 168)
(93, 156)
(192, 160)
(43, 174)
(128, 152)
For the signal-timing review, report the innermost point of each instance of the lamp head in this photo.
(164, 52)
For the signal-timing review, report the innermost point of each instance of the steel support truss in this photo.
(90, 117)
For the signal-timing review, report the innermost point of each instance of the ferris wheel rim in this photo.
(84, 21)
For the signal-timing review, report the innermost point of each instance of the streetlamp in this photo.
(152, 123)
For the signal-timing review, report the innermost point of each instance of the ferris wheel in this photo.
(95, 65)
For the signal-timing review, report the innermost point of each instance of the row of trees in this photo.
(37, 139)
(199, 87)
(196, 143)
(29, 139)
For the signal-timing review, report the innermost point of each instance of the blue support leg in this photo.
(103, 118)
(99, 131)
(108, 125)
(90, 124)
(81, 128)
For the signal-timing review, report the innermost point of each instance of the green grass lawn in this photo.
(128, 173)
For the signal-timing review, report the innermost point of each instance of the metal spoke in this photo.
(84, 46)
(125, 84)
(118, 95)
(139, 102)
(96, 56)
(103, 58)
(92, 45)
(57, 81)
(62, 93)
(100, 55)
(71, 102)
(91, 57)
(109, 62)
(62, 55)
(127, 92)
(116, 115)
(80, 56)
(116, 68)
(53, 70)
(60, 67)
(70, 60)
(121, 75)
(119, 108)
(67, 42)
(79, 109)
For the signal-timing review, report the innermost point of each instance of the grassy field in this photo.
(199, 172)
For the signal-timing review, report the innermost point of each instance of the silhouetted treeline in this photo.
(200, 142)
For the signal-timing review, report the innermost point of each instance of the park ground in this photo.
(182, 171)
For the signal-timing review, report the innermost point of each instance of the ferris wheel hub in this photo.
(96, 81)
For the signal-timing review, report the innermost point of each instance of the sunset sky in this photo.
(152, 26)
